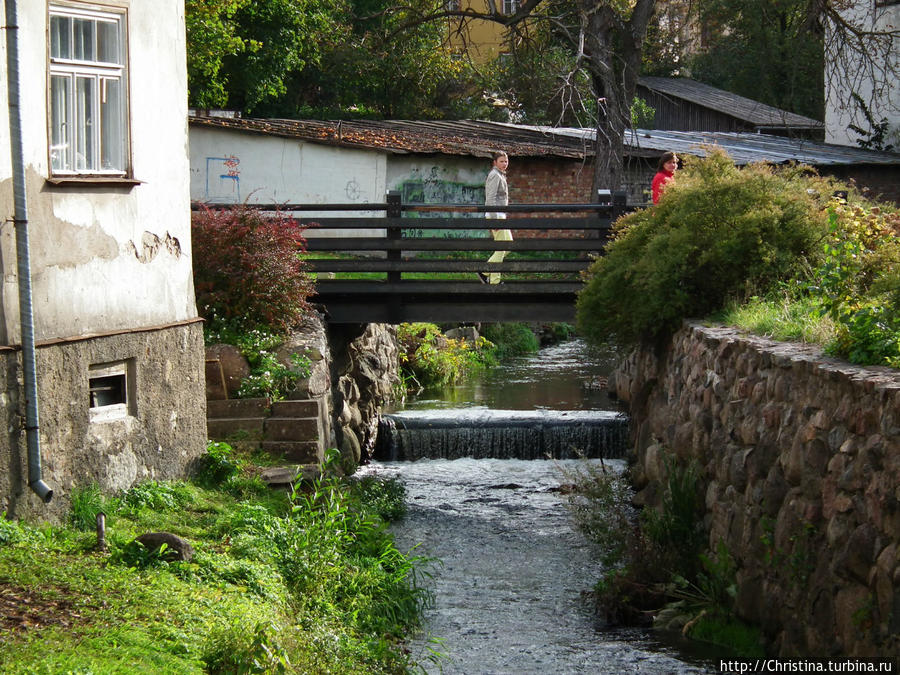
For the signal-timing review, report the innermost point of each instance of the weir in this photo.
(501, 434)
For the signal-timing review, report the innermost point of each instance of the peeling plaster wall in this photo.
(95, 263)
(111, 279)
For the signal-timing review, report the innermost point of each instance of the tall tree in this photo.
(605, 38)
(764, 50)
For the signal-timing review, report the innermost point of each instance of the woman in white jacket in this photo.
(496, 193)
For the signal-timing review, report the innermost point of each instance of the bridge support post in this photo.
(394, 234)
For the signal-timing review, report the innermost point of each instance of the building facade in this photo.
(854, 88)
(103, 172)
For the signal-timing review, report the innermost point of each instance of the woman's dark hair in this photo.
(497, 155)
(666, 156)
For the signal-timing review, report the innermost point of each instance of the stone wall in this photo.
(353, 370)
(800, 459)
(156, 436)
(364, 375)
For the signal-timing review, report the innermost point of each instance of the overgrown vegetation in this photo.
(510, 339)
(429, 358)
(306, 581)
(655, 560)
(776, 240)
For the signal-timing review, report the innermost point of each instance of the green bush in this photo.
(218, 465)
(511, 339)
(719, 233)
(858, 283)
(431, 359)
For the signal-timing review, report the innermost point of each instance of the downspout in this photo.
(23, 258)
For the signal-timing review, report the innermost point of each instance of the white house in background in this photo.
(118, 344)
(881, 95)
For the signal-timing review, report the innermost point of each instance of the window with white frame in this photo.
(88, 92)
(510, 6)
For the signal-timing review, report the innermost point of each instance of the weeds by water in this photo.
(306, 581)
(657, 569)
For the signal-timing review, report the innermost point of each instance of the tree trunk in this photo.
(614, 48)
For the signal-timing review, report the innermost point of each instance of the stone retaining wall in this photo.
(800, 458)
(353, 369)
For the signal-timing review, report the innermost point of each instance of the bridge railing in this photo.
(420, 261)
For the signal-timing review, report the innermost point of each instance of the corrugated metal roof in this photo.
(479, 139)
(748, 110)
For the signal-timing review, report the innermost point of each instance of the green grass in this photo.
(307, 582)
(451, 276)
(783, 319)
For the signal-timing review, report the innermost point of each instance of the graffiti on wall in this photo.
(431, 188)
(223, 179)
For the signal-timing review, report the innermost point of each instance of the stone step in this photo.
(303, 452)
(298, 408)
(293, 429)
(224, 429)
(238, 407)
(278, 476)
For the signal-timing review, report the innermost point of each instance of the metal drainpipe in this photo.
(23, 258)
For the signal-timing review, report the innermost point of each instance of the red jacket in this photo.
(659, 181)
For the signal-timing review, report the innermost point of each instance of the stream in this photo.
(511, 575)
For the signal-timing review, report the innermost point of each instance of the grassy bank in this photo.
(307, 581)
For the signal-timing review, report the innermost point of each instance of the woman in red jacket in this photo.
(668, 165)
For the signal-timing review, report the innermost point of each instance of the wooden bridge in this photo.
(423, 263)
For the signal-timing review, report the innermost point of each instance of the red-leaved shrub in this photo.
(247, 269)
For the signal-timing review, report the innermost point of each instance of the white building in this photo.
(877, 84)
(104, 167)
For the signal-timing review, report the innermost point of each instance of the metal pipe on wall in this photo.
(23, 258)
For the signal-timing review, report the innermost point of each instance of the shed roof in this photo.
(471, 138)
(758, 114)
(479, 139)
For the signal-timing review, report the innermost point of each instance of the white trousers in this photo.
(498, 256)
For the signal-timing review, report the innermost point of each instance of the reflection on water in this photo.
(567, 376)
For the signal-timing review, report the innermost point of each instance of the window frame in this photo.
(125, 404)
(95, 79)
(510, 7)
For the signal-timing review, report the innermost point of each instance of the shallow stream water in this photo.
(511, 582)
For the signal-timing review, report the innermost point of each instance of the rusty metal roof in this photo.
(758, 114)
(469, 138)
(479, 139)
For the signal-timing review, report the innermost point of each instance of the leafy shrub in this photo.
(858, 283)
(511, 339)
(719, 233)
(247, 268)
(154, 495)
(10, 532)
(218, 465)
(385, 497)
(431, 359)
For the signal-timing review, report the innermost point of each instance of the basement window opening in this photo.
(108, 387)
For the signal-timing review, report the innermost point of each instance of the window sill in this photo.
(88, 180)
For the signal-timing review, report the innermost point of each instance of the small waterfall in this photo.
(501, 434)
